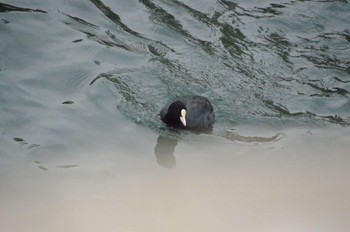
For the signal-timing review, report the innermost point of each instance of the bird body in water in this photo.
(193, 112)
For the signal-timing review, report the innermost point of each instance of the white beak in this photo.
(183, 117)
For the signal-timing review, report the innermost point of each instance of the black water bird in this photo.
(194, 113)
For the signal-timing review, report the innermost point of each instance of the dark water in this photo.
(264, 63)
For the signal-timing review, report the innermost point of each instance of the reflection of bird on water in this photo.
(194, 113)
(164, 151)
(189, 112)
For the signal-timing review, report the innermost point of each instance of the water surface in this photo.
(82, 82)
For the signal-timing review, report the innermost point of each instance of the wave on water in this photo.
(260, 63)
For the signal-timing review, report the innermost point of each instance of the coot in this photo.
(189, 112)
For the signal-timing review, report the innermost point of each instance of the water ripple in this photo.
(284, 64)
(10, 8)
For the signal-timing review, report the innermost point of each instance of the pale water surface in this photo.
(82, 147)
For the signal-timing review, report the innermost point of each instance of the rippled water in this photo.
(258, 62)
(80, 73)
